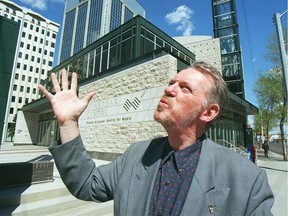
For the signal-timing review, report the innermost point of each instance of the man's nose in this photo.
(171, 90)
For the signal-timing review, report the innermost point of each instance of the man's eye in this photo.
(185, 89)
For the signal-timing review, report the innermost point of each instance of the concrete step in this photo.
(44, 207)
(39, 207)
(48, 199)
(60, 206)
(14, 196)
(88, 209)
(51, 198)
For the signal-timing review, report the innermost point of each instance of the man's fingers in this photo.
(45, 92)
(74, 81)
(55, 83)
(88, 97)
(64, 79)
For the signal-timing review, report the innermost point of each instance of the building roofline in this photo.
(247, 107)
(29, 11)
(134, 21)
(236, 104)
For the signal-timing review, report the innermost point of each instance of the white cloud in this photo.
(181, 16)
(41, 4)
(27, 9)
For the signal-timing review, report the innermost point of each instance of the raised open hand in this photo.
(65, 103)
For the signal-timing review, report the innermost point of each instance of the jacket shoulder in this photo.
(229, 157)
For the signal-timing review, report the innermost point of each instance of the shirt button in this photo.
(167, 183)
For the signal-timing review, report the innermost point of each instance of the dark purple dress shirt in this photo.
(173, 179)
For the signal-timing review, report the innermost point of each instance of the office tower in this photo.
(8, 34)
(85, 21)
(32, 58)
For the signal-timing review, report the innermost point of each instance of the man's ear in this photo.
(210, 113)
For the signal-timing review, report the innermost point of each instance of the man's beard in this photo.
(166, 121)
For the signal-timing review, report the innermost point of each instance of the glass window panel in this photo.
(85, 66)
(143, 31)
(127, 34)
(113, 57)
(126, 53)
(150, 36)
(97, 63)
(94, 23)
(91, 64)
(113, 42)
(228, 44)
(149, 46)
(105, 46)
(80, 27)
(104, 60)
(128, 14)
(67, 35)
(223, 8)
(225, 20)
(174, 51)
(159, 42)
(116, 14)
(142, 44)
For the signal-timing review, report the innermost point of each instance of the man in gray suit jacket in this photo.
(182, 174)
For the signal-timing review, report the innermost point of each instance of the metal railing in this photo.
(232, 146)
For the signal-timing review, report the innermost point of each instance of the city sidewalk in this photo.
(277, 173)
(275, 167)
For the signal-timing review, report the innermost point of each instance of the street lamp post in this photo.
(283, 53)
(284, 62)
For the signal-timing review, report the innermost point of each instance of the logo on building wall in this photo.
(133, 104)
(135, 107)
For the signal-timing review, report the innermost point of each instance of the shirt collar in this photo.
(169, 154)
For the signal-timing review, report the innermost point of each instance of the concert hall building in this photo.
(128, 69)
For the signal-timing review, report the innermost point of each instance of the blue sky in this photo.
(194, 17)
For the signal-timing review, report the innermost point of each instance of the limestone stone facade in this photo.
(122, 110)
(205, 48)
(26, 128)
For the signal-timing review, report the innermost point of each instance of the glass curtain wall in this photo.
(128, 14)
(48, 129)
(80, 28)
(68, 35)
(116, 14)
(94, 25)
(227, 130)
(226, 28)
(119, 50)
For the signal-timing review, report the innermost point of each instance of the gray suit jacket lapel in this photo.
(204, 194)
(143, 178)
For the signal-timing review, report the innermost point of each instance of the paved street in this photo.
(277, 172)
(275, 167)
(276, 147)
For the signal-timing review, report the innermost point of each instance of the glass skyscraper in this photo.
(85, 21)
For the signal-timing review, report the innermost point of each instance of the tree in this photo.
(270, 92)
(266, 98)
(273, 55)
